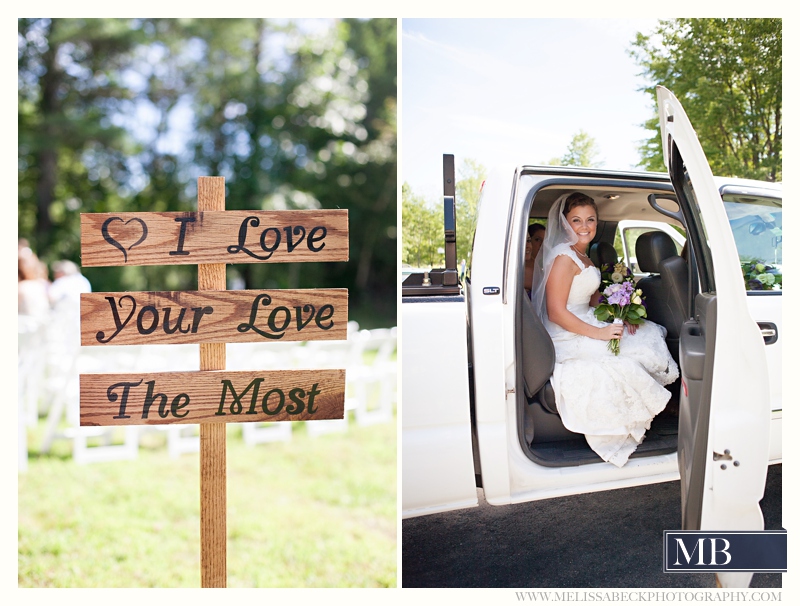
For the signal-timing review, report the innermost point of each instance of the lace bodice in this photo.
(584, 285)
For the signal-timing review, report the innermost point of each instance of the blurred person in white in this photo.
(63, 338)
(32, 285)
(68, 284)
(65, 302)
(33, 308)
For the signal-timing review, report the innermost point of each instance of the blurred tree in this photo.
(72, 157)
(727, 74)
(582, 151)
(295, 114)
(423, 221)
(306, 121)
(469, 183)
(423, 231)
(363, 160)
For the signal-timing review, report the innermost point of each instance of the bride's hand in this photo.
(610, 331)
(631, 327)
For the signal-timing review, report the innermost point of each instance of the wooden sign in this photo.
(212, 317)
(225, 316)
(193, 238)
(211, 397)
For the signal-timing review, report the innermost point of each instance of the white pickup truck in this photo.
(477, 406)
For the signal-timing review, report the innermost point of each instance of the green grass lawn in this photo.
(311, 512)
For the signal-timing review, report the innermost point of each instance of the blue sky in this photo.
(516, 91)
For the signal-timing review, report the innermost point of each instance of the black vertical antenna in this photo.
(450, 277)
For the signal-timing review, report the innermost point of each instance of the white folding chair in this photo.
(321, 428)
(374, 392)
(260, 433)
(373, 385)
(182, 439)
(30, 366)
(64, 371)
(83, 453)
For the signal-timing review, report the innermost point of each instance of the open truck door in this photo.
(723, 439)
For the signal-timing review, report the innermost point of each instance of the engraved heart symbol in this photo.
(110, 239)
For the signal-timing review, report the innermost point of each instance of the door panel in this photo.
(724, 441)
(696, 362)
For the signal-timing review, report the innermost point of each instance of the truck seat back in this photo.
(603, 253)
(666, 289)
(543, 423)
(538, 353)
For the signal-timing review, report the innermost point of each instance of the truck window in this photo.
(757, 225)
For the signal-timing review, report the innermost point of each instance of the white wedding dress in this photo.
(611, 399)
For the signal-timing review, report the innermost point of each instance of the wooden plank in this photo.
(239, 316)
(211, 396)
(213, 449)
(218, 236)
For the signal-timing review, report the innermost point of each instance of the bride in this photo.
(610, 399)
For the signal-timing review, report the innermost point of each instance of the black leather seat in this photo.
(543, 423)
(538, 353)
(603, 253)
(666, 289)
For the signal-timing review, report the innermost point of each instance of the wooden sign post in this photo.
(213, 464)
(212, 317)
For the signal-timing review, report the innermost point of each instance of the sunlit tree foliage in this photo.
(125, 114)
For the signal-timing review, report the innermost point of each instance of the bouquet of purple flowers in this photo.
(620, 300)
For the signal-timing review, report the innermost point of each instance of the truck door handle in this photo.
(769, 331)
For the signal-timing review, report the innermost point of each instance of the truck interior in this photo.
(669, 293)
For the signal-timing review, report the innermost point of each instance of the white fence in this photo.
(50, 360)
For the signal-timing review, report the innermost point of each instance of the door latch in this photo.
(725, 456)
